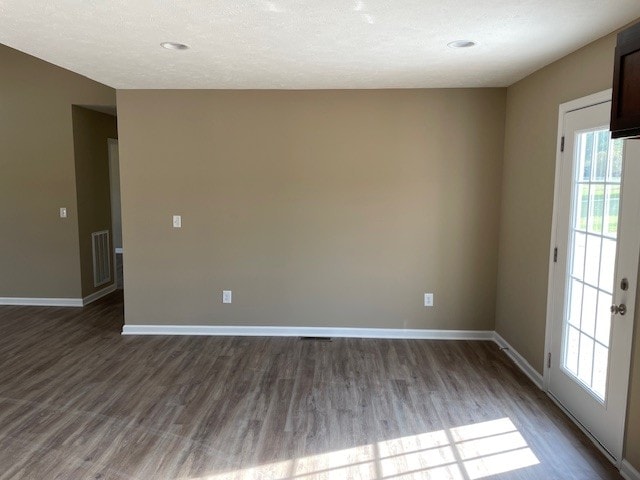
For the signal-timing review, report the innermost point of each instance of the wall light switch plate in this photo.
(226, 296)
(63, 212)
(428, 299)
(177, 221)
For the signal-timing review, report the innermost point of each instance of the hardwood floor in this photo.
(79, 401)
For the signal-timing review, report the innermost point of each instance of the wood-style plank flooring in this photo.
(80, 401)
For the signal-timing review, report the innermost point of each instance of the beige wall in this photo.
(38, 250)
(527, 202)
(316, 208)
(91, 130)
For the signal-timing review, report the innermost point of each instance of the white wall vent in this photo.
(101, 258)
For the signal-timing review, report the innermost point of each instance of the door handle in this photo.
(619, 309)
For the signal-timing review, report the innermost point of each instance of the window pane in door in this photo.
(615, 163)
(589, 303)
(579, 249)
(585, 359)
(602, 156)
(576, 303)
(573, 348)
(584, 169)
(611, 208)
(592, 263)
(600, 364)
(582, 207)
(607, 264)
(596, 208)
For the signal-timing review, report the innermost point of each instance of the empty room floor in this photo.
(80, 401)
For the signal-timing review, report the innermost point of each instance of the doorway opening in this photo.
(95, 136)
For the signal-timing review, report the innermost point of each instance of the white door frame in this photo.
(113, 143)
(584, 102)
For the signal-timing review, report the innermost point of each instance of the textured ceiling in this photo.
(299, 44)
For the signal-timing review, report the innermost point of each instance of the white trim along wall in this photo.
(58, 302)
(266, 331)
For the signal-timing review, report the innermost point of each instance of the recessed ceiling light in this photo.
(462, 44)
(174, 46)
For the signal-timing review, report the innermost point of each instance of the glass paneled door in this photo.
(593, 238)
(592, 291)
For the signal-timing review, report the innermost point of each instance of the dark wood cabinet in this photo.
(625, 108)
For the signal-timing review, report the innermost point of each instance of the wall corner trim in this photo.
(268, 331)
(519, 360)
(41, 302)
(628, 471)
(99, 294)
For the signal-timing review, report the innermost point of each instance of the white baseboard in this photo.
(256, 331)
(41, 302)
(628, 472)
(99, 294)
(519, 360)
(57, 302)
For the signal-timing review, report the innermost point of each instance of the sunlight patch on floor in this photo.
(469, 452)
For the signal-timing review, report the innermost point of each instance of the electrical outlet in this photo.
(226, 296)
(177, 221)
(428, 299)
(63, 212)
